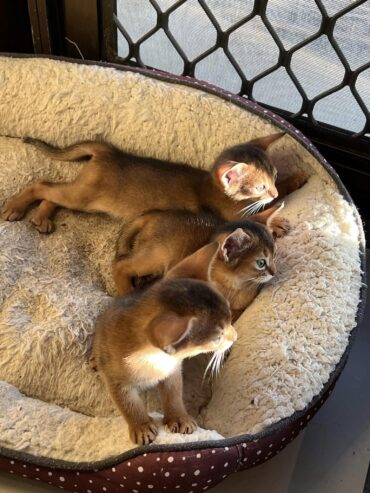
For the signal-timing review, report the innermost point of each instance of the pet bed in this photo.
(57, 422)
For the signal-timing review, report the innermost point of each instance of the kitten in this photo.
(141, 340)
(245, 262)
(156, 241)
(125, 186)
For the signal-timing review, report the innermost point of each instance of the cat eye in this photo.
(260, 188)
(261, 263)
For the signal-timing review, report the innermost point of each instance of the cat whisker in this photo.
(263, 281)
(210, 365)
(218, 363)
(249, 206)
(248, 213)
(256, 207)
(230, 292)
(261, 206)
(244, 212)
(253, 208)
(250, 279)
(248, 210)
(214, 364)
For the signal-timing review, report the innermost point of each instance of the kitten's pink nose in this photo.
(273, 193)
(232, 334)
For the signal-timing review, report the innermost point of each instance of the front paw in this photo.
(11, 212)
(144, 433)
(92, 363)
(185, 424)
(279, 226)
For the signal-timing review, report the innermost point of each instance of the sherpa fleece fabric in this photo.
(54, 286)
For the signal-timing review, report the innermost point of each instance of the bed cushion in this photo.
(293, 339)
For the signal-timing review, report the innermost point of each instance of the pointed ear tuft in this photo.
(169, 329)
(195, 266)
(234, 244)
(229, 173)
(264, 142)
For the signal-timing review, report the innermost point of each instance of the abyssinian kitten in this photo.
(125, 186)
(158, 240)
(141, 340)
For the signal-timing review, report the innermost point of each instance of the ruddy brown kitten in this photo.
(125, 186)
(141, 340)
(155, 242)
(245, 262)
(158, 240)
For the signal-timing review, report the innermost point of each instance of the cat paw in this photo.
(10, 212)
(181, 424)
(144, 433)
(142, 282)
(279, 227)
(43, 224)
(92, 364)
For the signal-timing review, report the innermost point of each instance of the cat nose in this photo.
(274, 193)
(233, 334)
(272, 270)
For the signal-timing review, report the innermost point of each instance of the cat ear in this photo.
(230, 172)
(234, 244)
(195, 266)
(168, 329)
(264, 142)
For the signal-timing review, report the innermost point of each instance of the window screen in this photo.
(307, 58)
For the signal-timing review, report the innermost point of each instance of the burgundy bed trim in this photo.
(191, 471)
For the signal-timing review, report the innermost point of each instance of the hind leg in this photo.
(70, 195)
(139, 265)
(16, 207)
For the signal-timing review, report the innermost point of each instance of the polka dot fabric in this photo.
(191, 471)
(178, 471)
(184, 468)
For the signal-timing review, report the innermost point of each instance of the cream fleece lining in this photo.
(53, 287)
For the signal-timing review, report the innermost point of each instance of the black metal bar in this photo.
(107, 11)
(40, 28)
(125, 34)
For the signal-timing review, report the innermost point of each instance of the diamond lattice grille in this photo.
(310, 58)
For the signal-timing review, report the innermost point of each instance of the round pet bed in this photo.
(57, 422)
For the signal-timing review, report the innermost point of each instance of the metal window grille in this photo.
(221, 44)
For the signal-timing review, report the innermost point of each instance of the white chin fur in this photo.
(227, 346)
(266, 279)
